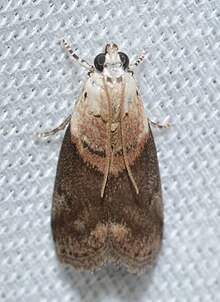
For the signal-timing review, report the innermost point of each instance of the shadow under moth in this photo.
(107, 202)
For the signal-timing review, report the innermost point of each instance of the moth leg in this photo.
(139, 60)
(75, 56)
(156, 125)
(59, 128)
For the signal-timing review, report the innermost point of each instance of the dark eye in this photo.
(99, 61)
(124, 59)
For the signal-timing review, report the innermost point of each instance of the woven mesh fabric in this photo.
(39, 84)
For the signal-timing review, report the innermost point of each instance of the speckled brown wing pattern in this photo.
(123, 227)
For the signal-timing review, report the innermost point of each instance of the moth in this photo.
(107, 202)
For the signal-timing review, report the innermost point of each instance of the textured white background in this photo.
(39, 84)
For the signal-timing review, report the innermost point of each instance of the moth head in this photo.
(111, 57)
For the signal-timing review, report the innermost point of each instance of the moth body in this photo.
(107, 202)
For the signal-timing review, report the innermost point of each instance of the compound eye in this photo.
(124, 59)
(99, 61)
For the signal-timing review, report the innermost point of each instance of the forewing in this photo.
(79, 217)
(136, 220)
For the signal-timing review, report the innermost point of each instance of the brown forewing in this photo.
(123, 227)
